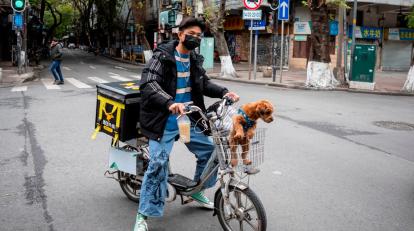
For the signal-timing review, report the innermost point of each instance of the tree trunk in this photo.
(215, 23)
(125, 31)
(409, 83)
(56, 22)
(184, 8)
(42, 10)
(319, 74)
(139, 12)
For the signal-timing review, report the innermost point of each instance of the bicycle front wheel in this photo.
(246, 211)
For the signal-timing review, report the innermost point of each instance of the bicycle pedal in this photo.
(188, 200)
(250, 170)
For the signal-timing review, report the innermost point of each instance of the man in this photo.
(173, 77)
(56, 54)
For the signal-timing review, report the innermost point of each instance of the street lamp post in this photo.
(354, 18)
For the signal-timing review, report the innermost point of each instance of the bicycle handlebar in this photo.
(223, 104)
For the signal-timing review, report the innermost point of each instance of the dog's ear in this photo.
(260, 108)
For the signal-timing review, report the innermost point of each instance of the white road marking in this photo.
(135, 76)
(81, 62)
(19, 88)
(67, 68)
(92, 67)
(120, 78)
(121, 68)
(77, 83)
(111, 73)
(98, 80)
(277, 173)
(49, 84)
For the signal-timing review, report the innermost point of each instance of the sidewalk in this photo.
(9, 76)
(387, 83)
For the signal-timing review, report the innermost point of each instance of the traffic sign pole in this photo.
(281, 52)
(283, 15)
(252, 14)
(250, 53)
(255, 53)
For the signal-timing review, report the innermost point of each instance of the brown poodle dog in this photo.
(244, 126)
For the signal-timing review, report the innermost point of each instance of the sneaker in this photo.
(60, 83)
(55, 82)
(203, 200)
(140, 223)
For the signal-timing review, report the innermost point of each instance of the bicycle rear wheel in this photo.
(246, 212)
(130, 186)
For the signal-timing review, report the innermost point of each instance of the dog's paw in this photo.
(247, 162)
(234, 162)
(238, 136)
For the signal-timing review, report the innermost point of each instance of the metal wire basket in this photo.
(255, 153)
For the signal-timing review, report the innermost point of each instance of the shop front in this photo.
(397, 50)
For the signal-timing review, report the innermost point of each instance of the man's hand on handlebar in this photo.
(177, 108)
(233, 96)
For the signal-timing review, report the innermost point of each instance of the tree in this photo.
(409, 83)
(139, 13)
(53, 18)
(67, 16)
(319, 74)
(84, 8)
(215, 17)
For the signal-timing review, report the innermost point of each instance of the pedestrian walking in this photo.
(56, 55)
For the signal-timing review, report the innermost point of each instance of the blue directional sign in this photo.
(283, 10)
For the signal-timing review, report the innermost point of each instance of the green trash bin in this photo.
(363, 63)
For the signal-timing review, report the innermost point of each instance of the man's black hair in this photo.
(190, 22)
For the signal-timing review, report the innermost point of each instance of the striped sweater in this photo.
(183, 93)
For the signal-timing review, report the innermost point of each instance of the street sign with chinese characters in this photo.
(406, 34)
(366, 32)
(283, 10)
(252, 14)
(252, 4)
(257, 24)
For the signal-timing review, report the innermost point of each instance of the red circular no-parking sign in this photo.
(252, 4)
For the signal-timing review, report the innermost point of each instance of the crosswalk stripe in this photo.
(135, 76)
(98, 80)
(77, 83)
(67, 68)
(121, 68)
(19, 88)
(120, 78)
(92, 67)
(48, 83)
(111, 73)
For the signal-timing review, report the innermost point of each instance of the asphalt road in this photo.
(334, 160)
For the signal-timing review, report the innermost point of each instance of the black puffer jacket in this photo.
(159, 84)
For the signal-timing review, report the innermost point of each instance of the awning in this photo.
(408, 3)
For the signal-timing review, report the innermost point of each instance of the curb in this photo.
(35, 74)
(281, 85)
(122, 60)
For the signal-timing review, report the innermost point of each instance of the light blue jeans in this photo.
(154, 186)
(55, 69)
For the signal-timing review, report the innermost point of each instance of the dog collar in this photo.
(249, 122)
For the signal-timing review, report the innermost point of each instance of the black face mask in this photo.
(191, 42)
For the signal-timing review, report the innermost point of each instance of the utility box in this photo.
(207, 51)
(363, 67)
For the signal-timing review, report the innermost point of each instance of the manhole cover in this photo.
(399, 126)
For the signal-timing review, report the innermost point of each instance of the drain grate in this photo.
(399, 126)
